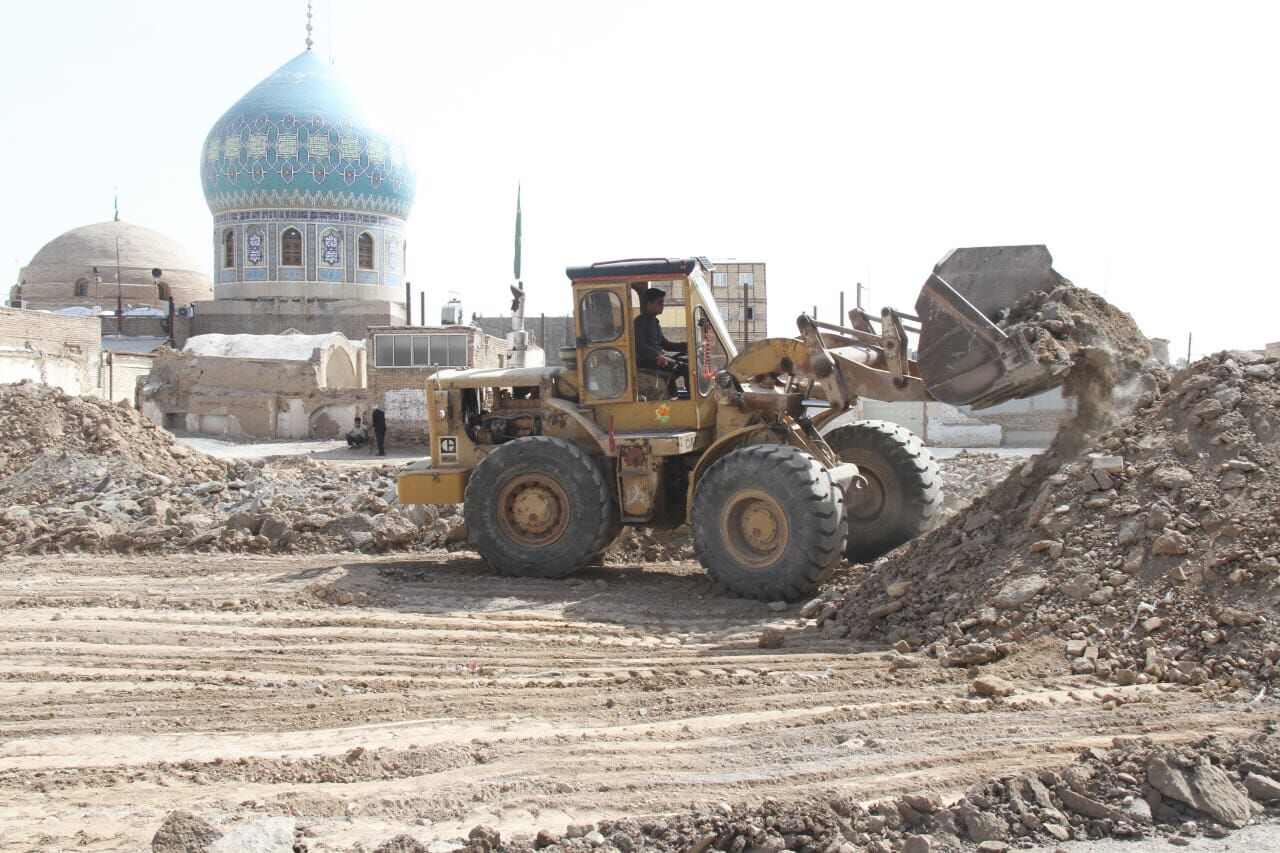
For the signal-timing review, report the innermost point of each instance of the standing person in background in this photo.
(380, 430)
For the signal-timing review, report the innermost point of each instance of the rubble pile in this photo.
(1134, 789)
(968, 476)
(1155, 553)
(82, 474)
(652, 545)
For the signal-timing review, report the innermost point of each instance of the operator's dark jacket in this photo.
(650, 342)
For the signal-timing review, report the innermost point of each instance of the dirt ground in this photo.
(438, 696)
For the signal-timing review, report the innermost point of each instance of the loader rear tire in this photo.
(904, 486)
(768, 522)
(539, 507)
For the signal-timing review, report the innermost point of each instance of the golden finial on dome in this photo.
(309, 42)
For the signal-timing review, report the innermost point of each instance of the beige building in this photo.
(263, 386)
(740, 289)
(78, 268)
(402, 359)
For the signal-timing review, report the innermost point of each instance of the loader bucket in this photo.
(963, 357)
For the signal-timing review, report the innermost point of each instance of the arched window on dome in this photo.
(82, 287)
(291, 247)
(364, 253)
(228, 249)
(162, 291)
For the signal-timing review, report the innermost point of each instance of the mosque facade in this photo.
(309, 202)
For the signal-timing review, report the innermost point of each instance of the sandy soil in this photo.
(443, 696)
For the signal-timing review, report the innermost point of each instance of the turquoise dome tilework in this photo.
(298, 140)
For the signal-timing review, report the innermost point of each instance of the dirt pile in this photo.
(1133, 790)
(1154, 554)
(81, 474)
(969, 475)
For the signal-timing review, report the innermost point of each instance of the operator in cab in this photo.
(652, 346)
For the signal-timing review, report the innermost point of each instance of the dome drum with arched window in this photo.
(308, 198)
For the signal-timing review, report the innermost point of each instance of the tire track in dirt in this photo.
(442, 696)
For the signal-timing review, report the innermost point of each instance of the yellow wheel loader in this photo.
(550, 462)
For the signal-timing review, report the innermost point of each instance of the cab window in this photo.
(601, 313)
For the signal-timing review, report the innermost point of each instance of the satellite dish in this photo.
(157, 272)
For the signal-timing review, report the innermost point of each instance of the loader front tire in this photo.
(539, 507)
(768, 522)
(904, 487)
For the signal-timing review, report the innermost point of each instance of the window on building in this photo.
(82, 287)
(162, 291)
(291, 247)
(228, 249)
(365, 250)
(406, 349)
(719, 279)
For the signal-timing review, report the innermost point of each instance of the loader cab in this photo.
(607, 302)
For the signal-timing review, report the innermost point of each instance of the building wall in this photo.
(119, 374)
(50, 348)
(310, 317)
(550, 332)
(741, 291)
(256, 397)
(401, 391)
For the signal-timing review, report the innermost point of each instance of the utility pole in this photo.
(422, 308)
(1188, 348)
(119, 295)
(841, 318)
(746, 334)
(858, 303)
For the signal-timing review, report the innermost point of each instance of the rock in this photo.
(982, 826)
(183, 832)
(1110, 464)
(545, 838)
(594, 838)
(1204, 786)
(275, 528)
(925, 802)
(917, 844)
(242, 521)
(970, 654)
(1019, 591)
(1087, 806)
(777, 606)
(772, 638)
(1171, 543)
(1057, 830)
(1262, 788)
(484, 839)
(991, 685)
(267, 835)
(1171, 476)
(993, 847)
(812, 608)
(402, 843)
(897, 589)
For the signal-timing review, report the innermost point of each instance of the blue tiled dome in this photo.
(298, 139)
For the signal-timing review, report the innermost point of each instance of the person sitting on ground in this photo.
(356, 437)
(651, 345)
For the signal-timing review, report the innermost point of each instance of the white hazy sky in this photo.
(839, 142)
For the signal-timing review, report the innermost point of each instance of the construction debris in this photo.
(1154, 553)
(1133, 790)
(80, 474)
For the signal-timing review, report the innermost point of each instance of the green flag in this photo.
(517, 263)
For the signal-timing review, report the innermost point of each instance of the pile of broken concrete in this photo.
(1133, 790)
(80, 474)
(1154, 553)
